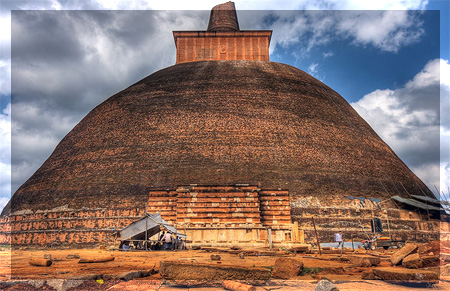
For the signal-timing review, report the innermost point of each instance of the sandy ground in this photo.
(14, 266)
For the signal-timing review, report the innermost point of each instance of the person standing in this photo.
(167, 240)
(338, 239)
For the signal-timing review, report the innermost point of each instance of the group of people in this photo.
(166, 241)
(171, 241)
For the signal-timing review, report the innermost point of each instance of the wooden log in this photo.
(237, 286)
(97, 259)
(40, 262)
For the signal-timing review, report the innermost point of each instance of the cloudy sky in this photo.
(389, 59)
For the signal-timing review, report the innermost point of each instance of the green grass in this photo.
(310, 271)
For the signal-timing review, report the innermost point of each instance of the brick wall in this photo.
(195, 46)
(236, 205)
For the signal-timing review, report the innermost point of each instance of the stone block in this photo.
(397, 257)
(179, 270)
(286, 268)
(216, 257)
(405, 275)
(412, 261)
(364, 261)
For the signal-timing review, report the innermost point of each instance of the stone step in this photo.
(181, 270)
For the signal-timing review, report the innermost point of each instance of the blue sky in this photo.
(388, 59)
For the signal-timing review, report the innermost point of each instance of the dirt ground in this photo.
(15, 267)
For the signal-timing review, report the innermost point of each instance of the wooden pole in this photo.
(269, 234)
(353, 246)
(146, 235)
(317, 237)
(343, 240)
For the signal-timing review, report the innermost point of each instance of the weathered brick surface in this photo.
(223, 40)
(223, 18)
(87, 226)
(195, 46)
(238, 204)
(217, 122)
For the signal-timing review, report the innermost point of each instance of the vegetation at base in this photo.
(310, 271)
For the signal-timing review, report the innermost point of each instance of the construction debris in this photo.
(180, 270)
(237, 286)
(399, 255)
(364, 261)
(286, 268)
(97, 259)
(412, 261)
(40, 262)
(405, 275)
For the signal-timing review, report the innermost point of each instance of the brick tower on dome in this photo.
(223, 40)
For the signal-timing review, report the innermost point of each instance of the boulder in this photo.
(405, 275)
(325, 285)
(181, 270)
(216, 257)
(412, 261)
(63, 285)
(286, 268)
(397, 257)
(364, 261)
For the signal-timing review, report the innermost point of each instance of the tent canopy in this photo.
(431, 200)
(152, 223)
(416, 203)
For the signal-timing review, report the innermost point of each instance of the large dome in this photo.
(218, 122)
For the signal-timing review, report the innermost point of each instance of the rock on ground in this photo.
(325, 285)
(405, 275)
(63, 285)
(180, 270)
(286, 268)
(364, 261)
(412, 261)
(398, 256)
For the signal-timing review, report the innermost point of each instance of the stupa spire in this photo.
(223, 17)
(223, 40)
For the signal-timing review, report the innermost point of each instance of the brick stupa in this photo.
(226, 145)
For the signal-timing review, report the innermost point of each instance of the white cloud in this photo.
(312, 69)
(328, 54)
(387, 30)
(408, 120)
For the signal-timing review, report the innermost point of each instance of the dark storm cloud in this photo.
(39, 35)
(65, 63)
